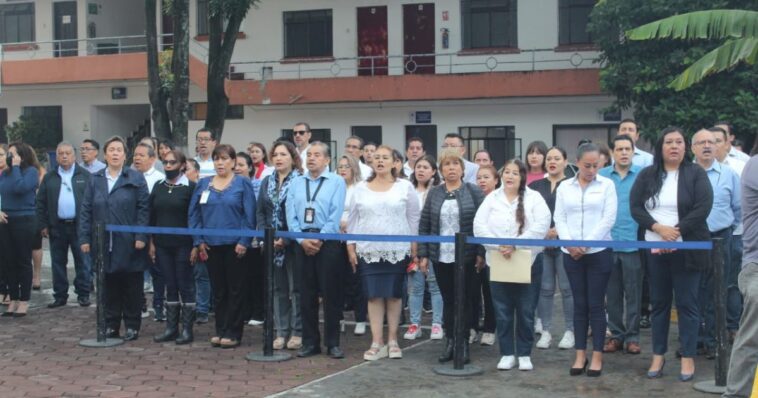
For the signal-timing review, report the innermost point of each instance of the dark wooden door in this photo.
(64, 16)
(3, 123)
(418, 38)
(368, 133)
(427, 133)
(372, 41)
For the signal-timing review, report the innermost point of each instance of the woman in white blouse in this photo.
(349, 169)
(383, 205)
(513, 211)
(585, 209)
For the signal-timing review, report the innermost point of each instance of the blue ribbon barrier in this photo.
(706, 245)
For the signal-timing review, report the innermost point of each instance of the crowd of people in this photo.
(607, 193)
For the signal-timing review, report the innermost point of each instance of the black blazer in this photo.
(694, 202)
(49, 190)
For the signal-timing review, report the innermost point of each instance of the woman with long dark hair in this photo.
(425, 176)
(535, 161)
(18, 188)
(671, 200)
(585, 209)
(488, 180)
(272, 212)
(513, 211)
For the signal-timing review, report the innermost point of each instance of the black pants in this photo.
(123, 299)
(255, 285)
(353, 289)
(483, 280)
(228, 275)
(18, 242)
(445, 273)
(321, 274)
(177, 272)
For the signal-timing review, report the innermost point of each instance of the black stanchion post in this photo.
(459, 339)
(718, 385)
(268, 354)
(99, 248)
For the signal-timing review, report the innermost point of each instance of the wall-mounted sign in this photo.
(118, 93)
(92, 8)
(423, 117)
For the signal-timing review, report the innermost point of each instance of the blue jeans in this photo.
(202, 287)
(589, 281)
(625, 293)
(63, 237)
(514, 303)
(707, 330)
(416, 296)
(177, 272)
(554, 273)
(669, 277)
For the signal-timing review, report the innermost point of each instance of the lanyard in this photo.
(308, 189)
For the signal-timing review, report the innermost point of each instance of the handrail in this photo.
(72, 47)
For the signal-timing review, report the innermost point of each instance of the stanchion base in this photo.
(449, 370)
(709, 386)
(260, 357)
(93, 343)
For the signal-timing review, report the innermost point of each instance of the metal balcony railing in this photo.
(82, 47)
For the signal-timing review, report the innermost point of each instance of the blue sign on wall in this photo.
(423, 117)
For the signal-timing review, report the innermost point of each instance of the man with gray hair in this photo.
(59, 200)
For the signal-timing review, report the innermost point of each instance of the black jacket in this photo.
(694, 202)
(469, 197)
(49, 190)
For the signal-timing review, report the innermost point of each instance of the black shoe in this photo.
(594, 373)
(710, 353)
(172, 324)
(201, 317)
(160, 315)
(186, 336)
(335, 352)
(466, 353)
(131, 334)
(57, 303)
(645, 322)
(111, 333)
(84, 301)
(308, 351)
(447, 353)
(579, 371)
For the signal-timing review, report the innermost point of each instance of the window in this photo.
(368, 133)
(308, 33)
(489, 23)
(16, 23)
(199, 111)
(573, 16)
(568, 136)
(3, 123)
(202, 17)
(49, 120)
(500, 141)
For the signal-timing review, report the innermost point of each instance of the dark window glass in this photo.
(489, 23)
(202, 17)
(573, 16)
(16, 23)
(49, 122)
(500, 141)
(308, 33)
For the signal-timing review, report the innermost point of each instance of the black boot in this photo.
(466, 356)
(172, 324)
(188, 319)
(447, 353)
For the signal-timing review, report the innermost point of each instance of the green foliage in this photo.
(29, 131)
(638, 73)
(741, 26)
(167, 75)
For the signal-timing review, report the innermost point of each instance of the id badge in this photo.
(310, 215)
(204, 197)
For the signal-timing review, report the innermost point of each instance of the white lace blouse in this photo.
(393, 212)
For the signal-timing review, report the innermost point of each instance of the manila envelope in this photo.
(517, 269)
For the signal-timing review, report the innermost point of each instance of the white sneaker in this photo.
(474, 336)
(360, 328)
(488, 339)
(538, 326)
(525, 363)
(507, 362)
(437, 332)
(255, 322)
(567, 342)
(413, 332)
(544, 341)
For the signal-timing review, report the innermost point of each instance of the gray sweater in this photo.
(469, 197)
(750, 211)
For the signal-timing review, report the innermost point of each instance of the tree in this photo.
(169, 85)
(638, 73)
(225, 19)
(740, 27)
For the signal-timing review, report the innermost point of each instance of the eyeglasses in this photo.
(169, 162)
(204, 139)
(352, 147)
(86, 149)
(444, 146)
(299, 132)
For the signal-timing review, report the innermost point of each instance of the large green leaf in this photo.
(726, 56)
(710, 24)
